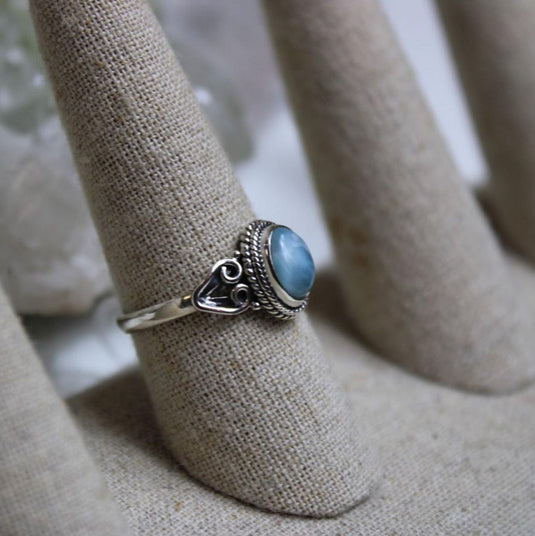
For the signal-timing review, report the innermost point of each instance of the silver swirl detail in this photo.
(223, 291)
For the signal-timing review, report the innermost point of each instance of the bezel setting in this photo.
(255, 250)
(234, 285)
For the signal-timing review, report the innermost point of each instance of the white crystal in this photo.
(50, 257)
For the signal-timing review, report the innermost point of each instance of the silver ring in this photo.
(272, 269)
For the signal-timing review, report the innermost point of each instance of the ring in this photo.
(272, 269)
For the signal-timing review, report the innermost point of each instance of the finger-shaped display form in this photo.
(246, 404)
(424, 279)
(48, 483)
(494, 49)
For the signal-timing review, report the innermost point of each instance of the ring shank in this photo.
(156, 314)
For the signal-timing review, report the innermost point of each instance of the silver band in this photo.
(157, 314)
(234, 285)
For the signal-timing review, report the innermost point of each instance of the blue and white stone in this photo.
(292, 262)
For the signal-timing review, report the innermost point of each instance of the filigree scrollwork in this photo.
(235, 285)
(224, 291)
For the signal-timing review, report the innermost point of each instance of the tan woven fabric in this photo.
(247, 405)
(455, 464)
(424, 280)
(494, 47)
(48, 483)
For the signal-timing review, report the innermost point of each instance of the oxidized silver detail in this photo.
(223, 291)
(234, 285)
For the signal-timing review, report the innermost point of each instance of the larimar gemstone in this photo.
(292, 262)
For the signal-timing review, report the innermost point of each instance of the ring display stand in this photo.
(233, 396)
(425, 281)
(494, 52)
(48, 481)
(249, 405)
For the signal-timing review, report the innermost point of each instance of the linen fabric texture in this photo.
(494, 51)
(246, 404)
(452, 462)
(425, 280)
(49, 484)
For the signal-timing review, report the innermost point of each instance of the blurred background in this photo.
(51, 264)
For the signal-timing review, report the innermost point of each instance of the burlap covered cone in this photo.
(494, 49)
(454, 463)
(49, 485)
(247, 405)
(424, 279)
